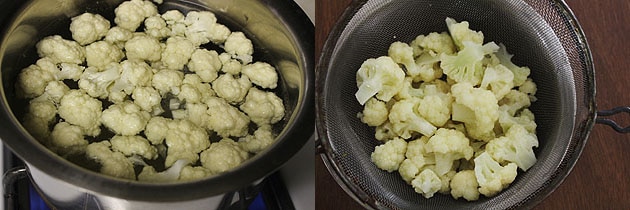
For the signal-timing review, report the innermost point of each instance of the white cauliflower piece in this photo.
(125, 118)
(524, 118)
(61, 50)
(130, 14)
(156, 129)
(427, 183)
(498, 79)
(67, 139)
(205, 63)
(225, 119)
(78, 108)
(464, 184)
(118, 36)
(175, 22)
(40, 114)
(193, 90)
(374, 113)
(185, 140)
(381, 77)
(202, 28)
(388, 156)
(143, 47)
(434, 44)
(87, 28)
(416, 159)
(260, 140)
(385, 132)
(133, 74)
(133, 145)
(460, 32)
(194, 173)
(53, 92)
(101, 53)
(96, 83)
(491, 176)
(477, 108)
(223, 156)
(505, 58)
(239, 46)
(148, 99)
(261, 74)
(448, 145)
(166, 81)
(112, 163)
(230, 66)
(467, 64)
(155, 26)
(197, 113)
(406, 121)
(515, 101)
(171, 174)
(230, 88)
(263, 107)
(177, 52)
(402, 53)
(61, 71)
(32, 81)
(514, 147)
(435, 106)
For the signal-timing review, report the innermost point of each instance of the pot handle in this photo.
(611, 122)
(9, 181)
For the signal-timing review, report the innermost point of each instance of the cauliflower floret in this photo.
(125, 118)
(406, 121)
(101, 53)
(61, 71)
(177, 52)
(143, 47)
(133, 145)
(416, 159)
(87, 28)
(428, 68)
(193, 90)
(435, 106)
(202, 27)
(427, 183)
(118, 36)
(388, 156)
(149, 174)
(230, 88)
(464, 184)
(374, 113)
(477, 108)
(460, 32)
(39, 128)
(61, 50)
(467, 65)
(491, 176)
(515, 147)
(112, 163)
(498, 79)
(206, 64)
(194, 173)
(223, 156)
(524, 118)
(167, 81)
(239, 46)
(225, 119)
(229, 65)
(53, 92)
(155, 26)
(263, 107)
(185, 140)
(130, 14)
(78, 108)
(261, 74)
(67, 139)
(448, 146)
(148, 99)
(133, 74)
(32, 81)
(434, 44)
(520, 73)
(402, 53)
(156, 130)
(40, 115)
(175, 22)
(385, 132)
(381, 77)
(96, 83)
(515, 101)
(260, 140)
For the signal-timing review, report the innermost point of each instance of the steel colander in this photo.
(542, 34)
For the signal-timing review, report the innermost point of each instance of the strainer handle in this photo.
(611, 122)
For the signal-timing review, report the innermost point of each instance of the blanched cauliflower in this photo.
(231, 88)
(80, 109)
(464, 184)
(427, 183)
(112, 163)
(515, 147)
(96, 83)
(230, 66)
(435, 106)
(175, 22)
(67, 139)
(32, 81)
(402, 53)
(194, 173)
(388, 156)
(225, 119)
(460, 33)
(239, 46)
(448, 145)
(520, 73)
(118, 36)
(61, 50)
(263, 108)
(39, 116)
(133, 145)
(157, 129)
(374, 113)
(434, 44)
(477, 108)
(101, 53)
(143, 47)
(148, 99)
(166, 81)
(260, 140)
(202, 27)
(171, 174)
(381, 77)
(467, 65)
(61, 71)
(125, 118)
(87, 28)
(223, 156)
(155, 26)
(177, 52)
(491, 176)
(193, 90)
(130, 14)
(261, 74)
(205, 63)
(185, 141)
(406, 121)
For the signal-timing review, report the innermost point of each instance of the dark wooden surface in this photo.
(601, 177)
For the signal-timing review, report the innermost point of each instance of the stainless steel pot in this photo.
(282, 35)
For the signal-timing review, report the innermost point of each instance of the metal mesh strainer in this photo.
(542, 34)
